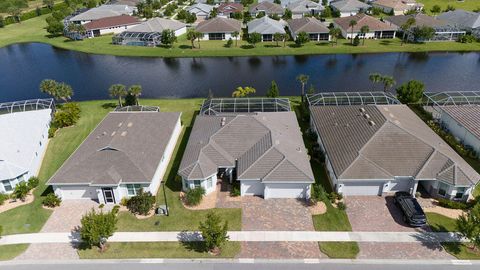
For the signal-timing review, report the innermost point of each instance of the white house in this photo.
(266, 27)
(201, 11)
(110, 25)
(300, 8)
(100, 12)
(315, 29)
(23, 140)
(219, 28)
(349, 7)
(127, 151)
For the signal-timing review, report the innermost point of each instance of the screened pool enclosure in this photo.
(150, 39)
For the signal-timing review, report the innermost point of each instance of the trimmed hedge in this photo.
(452, 204)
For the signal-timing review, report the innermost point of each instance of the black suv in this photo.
(412, 211)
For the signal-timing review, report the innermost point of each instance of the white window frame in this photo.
(9, 184)
(135, 187)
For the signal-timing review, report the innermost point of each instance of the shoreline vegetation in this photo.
(33, 31)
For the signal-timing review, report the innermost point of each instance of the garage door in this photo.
(251, 188)
(78, 192)
(286, 190)
(361, 189)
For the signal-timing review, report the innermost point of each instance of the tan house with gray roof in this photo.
(219, 28)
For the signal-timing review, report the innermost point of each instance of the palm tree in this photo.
(118, 90)
(235, 34)
(335, 33)
(352, 24)
(303, 79)
(135, 90)
(388, 82)
(375, 78)
(406, 26)
(243, 91)
(63, 92)
(364, 30)
(48, 87)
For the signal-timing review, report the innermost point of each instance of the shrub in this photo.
(21, 191)
(235, 190)
(67, 115)
(341, 206)
(194, 196)
(229, 43)
(141, 204)
(213, 232)
(319, 192)
(3, 198)
(467, 39)
(333, 197)
(51, 200)
(51, 131)
(451, 204)
(124, 201)
(97, 227)
(33, 182)
(356, 41)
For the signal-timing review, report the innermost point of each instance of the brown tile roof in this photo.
(395, 4)
(363, 19)
(219, 25)
(111, 22)
(308, 25)
(230, 8)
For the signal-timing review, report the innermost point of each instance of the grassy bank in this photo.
(33, 31)
(466, 5)
(9, 252)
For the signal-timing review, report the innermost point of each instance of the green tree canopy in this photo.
(214, 233)
(273, 92)
(335, 33)
(243, 91)
(423, 33)
(254, 38)
(58, 90)
(388, 82)
(136, 91)
(278, 37)
(97, 227)
(410, 92)
(469, 226)
(375, 78)
(118, 91)
(168, 37)
(302, 38)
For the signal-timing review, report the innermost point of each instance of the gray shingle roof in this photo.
(397, 144)
(308, 25)
(304, 6)
(420, 20)
(125, 147)
(268, 146)
(466, 115)
(462, 18)
(265, 25)
(267, 7)
(200, 8)
(349, 5)
(219, 25)
(103, 12)
(157, 25)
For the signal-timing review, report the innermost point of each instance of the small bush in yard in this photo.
(33, 182)
(341, 206)
(452, 204)
(3, 198)
(124, 201)
(21, 190)
(194, 196)
(141, 204)
(319, 193)
(213, 232)
(51, 200)
(235, 190)
(97, 227)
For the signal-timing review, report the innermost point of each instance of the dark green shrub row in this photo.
(452, 204)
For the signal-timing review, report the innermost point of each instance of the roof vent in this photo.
(104, 133)
(113, 133)
(362, 110)
(336, 124)
(120, 124)
(130, 124)
(371, 123)
(123, 134)
(367, 116)
(223, 121)
(277, 141)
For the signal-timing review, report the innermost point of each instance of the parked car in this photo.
(412, 211)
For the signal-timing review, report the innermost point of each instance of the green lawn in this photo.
(339, 250)
(9, 252)
(441, 223)
(466, 5)
(33, 31)
(158, 250)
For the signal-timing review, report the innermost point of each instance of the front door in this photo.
(108, 195)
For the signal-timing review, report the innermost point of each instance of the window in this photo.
(442, 189)
(133, 189)
(197, 183)
(460, 193)
(216, 36)
(185, 183)
(7, 186)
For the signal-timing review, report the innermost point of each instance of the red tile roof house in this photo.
(377, 28)
(228, 9)
(110, 25)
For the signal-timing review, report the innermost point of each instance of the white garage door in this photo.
(78, 192)
(361, 189)
(251, 188)
(286, 191)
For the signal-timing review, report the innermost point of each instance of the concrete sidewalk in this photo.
(245, 236)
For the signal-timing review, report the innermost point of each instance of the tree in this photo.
(213, 232)
(287, 14)
(76, 28)
(326, 13)
(91, 3)
(278, 37)
(57, 90)
(364, 30)
(191, 36)
(235, 34)
(54, 27)
(356, 41)
(48, 86)
(410, 92)
(168, 37)
(15, 12)
(119, 91)
(21, 190)
(97, 227)
(375, 78)
(254, 38)
(273, 92)
(352, 24)
(468, 226)
(388, 82)
(301, 39)
(423, 33)
(49, 3)
(213, 13)
(303, 79)
(243, 91)
(335, 33)
(136, 91)
(141, 204)
(406, 27)
(436, 9)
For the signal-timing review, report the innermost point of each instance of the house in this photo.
(376, 149)
(266, 26)
(377, 28)
(219, 28)
(110, 25)
(202, 11)
(300, 8)
(443, 30)
(314, 28)
(267, 8)
(100, 12)
(397, 7)
(149, 33)
(131, 3)
(227, 10)
(264, 151)
(126, 152)
(349, 7)
(464, 20)
(23, 140)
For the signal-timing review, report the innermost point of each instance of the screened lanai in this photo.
(217, 106)
(351, 98)
(453, 98)
(128, 38)
(27, 105)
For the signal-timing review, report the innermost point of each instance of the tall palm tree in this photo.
(136, 91)
(335, 33)
(388, 82)
(48, 86)
(235, 34)
(118, 90)
(352, 24)
(63, 92)
(375, 78)
(364, 30)
(303, 79)
(405, 27)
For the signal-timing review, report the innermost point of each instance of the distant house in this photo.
(23, 140)
(149, 33)
(300, 8)
(228, 9)
(131, 3)
(110, 25)
(314, 28)
(219, 28)
(349, 7)
(101, 12)
(464, 20)
(266, 26)
(377, 28)
(267, 8)
(202, 11)
(126, 152)
(443, 30)
(399, 7)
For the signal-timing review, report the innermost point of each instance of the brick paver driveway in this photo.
(277, 215)
(380, 214)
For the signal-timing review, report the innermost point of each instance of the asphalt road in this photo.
(243, 265)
